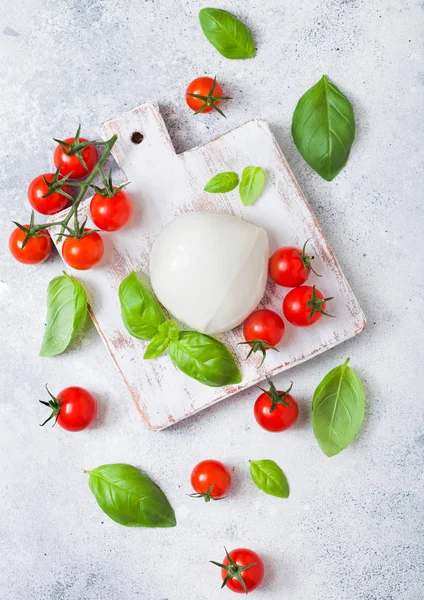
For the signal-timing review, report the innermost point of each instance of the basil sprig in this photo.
(251, 184)
(129, 497)
(338, 409)
(222, 182)
(197, 355)
(323, 128)
(269, 478)
(226, 33)
(66, 314)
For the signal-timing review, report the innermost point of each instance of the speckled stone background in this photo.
(352, 527)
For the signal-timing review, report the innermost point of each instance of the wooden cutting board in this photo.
(165, 184)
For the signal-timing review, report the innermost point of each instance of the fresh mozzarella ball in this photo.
(209, 270)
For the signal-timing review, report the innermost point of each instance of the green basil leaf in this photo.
(204, 358)
(66, 314)
(251, 185)
(323, 128)
(166, 332)
(269, 478)
(228, 34)
(338, 409)
(141, 313)
(222, 182)
(129, 497)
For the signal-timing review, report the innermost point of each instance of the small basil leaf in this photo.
(204, 358)
(323, 128)
(66, 314)
(228, 34)
(222, 182)
(269, 478)
(338, 409)
(129, 497)
(141, 313)
(166, 332)
(251, 185)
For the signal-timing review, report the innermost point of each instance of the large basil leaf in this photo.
(228, 34)
(222, 182)
(269, 478)
(141, 313)
(338, 409)
(323, 128)
(204, 358)
(251, 184)
(66, 314)
(129, 497)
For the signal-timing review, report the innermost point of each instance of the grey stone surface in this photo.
(352, 527)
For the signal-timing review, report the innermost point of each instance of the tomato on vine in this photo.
(204, 94)
(275, 410)
(49, 194)
(242, 570)
(290, 266)
(210, 480)
(111, 206)
(30, 244)
(75, 156)
(304, 306)
(84, 250)
(263, 330)
(73, 409)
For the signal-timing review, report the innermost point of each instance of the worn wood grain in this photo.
(163, 185)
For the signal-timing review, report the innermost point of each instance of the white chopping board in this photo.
(165, 184)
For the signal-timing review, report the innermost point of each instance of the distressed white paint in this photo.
(163, 185)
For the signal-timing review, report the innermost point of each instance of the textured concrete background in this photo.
(352, 527)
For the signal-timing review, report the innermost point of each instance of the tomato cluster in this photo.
(75, 158)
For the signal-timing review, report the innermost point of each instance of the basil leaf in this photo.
(204, 358)
(66, 314)
(129, 497)
(338, 409)
(141, 313)
(228, 34)
(222, 182)
(166, 332)
(251, 185)
(323, 128)
(269, 478)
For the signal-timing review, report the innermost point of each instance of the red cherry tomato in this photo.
(275, 410)
(204, 94)
(70, 162)
(236, 576)
(74, 408)
(36, 250)
(262, 330)
(83, 253)
(290, 266)
(111, 213)
(210, 479)
(51, 204)
(304, 306)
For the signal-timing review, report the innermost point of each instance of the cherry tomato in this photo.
(242, 570)
(204, 94)
(52, 203)
(36, 250)
(74, 408)
(290, 266)
(263, 330)
(83, 253)
(69, 160)
(210, 479)
(304, 306)
(111, 213)
(275, 410)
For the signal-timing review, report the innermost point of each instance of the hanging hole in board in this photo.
(137, 137)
